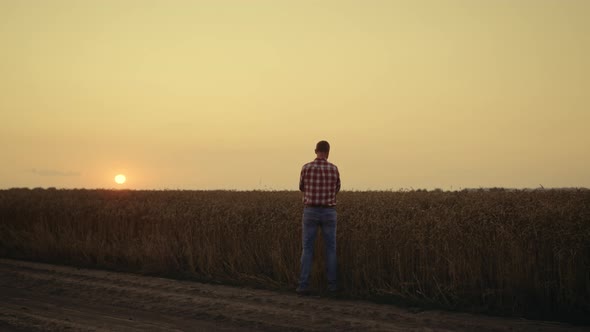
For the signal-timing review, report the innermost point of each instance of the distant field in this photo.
(498, 251)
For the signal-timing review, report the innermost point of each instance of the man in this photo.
(319, 182)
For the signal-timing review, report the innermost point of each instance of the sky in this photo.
(220, 94)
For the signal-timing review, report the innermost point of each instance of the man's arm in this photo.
(301, 181)
(337, 181)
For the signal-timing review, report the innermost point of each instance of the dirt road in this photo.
(42, 297)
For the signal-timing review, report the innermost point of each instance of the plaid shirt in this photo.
(319, 182)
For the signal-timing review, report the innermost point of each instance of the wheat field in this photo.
(512, 252)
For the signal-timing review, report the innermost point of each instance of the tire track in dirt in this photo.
(39, 296)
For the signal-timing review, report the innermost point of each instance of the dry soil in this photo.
(42, 297)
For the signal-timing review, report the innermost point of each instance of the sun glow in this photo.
(120, 179)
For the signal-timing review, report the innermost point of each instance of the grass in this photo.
(524, 253)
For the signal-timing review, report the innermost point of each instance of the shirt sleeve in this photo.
(301, 180)
(337, 181)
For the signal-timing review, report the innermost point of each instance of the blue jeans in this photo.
(325, 218)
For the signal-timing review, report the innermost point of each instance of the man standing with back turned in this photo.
(319, 182)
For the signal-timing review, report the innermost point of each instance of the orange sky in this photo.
(234, 94)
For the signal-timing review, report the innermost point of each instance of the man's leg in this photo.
(309, 226)
(328, 225)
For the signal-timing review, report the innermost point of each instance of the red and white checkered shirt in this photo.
(319, 182)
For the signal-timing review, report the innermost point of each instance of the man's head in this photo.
(322, 149)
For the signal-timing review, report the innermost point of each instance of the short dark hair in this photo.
(322, 146)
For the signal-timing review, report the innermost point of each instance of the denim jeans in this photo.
(325, 219)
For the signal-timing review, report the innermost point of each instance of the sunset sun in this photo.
(120, 179)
